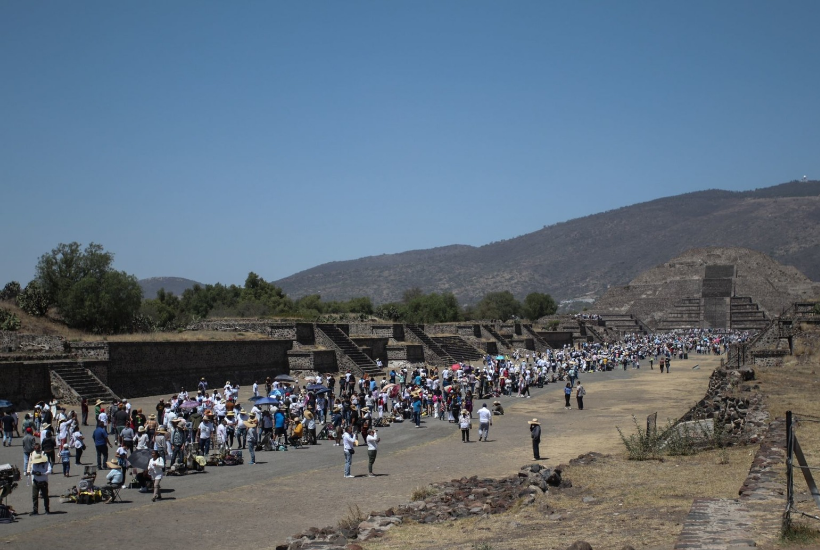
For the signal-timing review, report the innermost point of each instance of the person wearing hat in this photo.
(465, 423)
(115, 477)
(241, 429)
(178, 439)
(497, 408)
(204, 433)
(39, 468)
(161, 443)
(535, 434)
(310, 426)
(142, 439)
(252, 435)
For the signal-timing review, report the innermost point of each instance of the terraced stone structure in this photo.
(715, 287)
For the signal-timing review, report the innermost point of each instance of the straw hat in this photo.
(113, 464)
(230, 413)
(38, 458)
(141, 429)
(496, 402)
(152, 417)
(533, 421)
(162, 430)
(242, 411)
(251, 423)
(309, 415)
(45, 426)
(337, 408)
(99, 402)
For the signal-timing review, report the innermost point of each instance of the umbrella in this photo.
(139, 459)
(455, 366)
(276, 393)
(267, 401)
(285, 378)
(190, 404)
(256, 398)
(5, 404)
(392, 390)
(318, 388)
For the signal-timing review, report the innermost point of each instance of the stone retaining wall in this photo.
(411, 352)
(320, 361)
(97, 351)
(11, 342)
(24, 384)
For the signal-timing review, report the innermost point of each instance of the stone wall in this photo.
(413, 353)
(24, 384)
(11, 342)
(62, 392)
(377, 346)
(323, 361)
(97, 351)
(152, 368)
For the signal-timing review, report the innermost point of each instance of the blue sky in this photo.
(209, 139)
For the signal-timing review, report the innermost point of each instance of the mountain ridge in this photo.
(584, 256)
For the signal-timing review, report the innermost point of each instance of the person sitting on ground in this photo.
(497, 408)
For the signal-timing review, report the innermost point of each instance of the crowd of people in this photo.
(216, 419)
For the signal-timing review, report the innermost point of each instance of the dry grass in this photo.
(637, 503)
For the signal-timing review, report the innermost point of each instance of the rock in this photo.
(554, 480)
(589, 500)
(747, 373)
(580, 545)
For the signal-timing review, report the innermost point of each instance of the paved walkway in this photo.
(259, 506)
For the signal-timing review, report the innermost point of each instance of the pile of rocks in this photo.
(459, 498)
(743, 418)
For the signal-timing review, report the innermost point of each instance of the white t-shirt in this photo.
(205, 430)
(484, 415)
(373, 442)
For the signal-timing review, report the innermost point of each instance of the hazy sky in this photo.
(209, 139)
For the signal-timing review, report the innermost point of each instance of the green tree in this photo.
(497, 305)
(33, 300)
(10, 291)
(87, 291)
(104, 304)
(537, 305)
(8, 320)
(433, 308)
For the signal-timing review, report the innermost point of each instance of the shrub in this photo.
(34, 300)
(8, 320)
(10, 291)
(642, 445)
(420, 493)
(353, 518)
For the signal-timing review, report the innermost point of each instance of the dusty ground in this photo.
(260, 505)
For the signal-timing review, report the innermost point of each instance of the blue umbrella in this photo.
(267, 401)
(317, 387)
(256, 398)
(500, 358)
(5, 404)
(276, 393)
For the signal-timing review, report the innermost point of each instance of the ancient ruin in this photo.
(724, 288)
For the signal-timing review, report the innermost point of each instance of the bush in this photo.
(420, 493)
(10, 291)
(642, 445)
(34, 300)
(8, 320)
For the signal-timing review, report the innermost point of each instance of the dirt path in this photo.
(260, 505)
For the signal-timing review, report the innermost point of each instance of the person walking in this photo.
(465, 424)
(155, 468)
(29, 441)
(580, 392)
(39, 469)
(567, 394)
(373, 440)
(349, 442)
(535, 434)
(485, 420)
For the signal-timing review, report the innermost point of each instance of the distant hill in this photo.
(585, 256)
(175, 285)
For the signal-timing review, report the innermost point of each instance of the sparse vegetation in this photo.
(353, 518)
(420, 493)
(8, 320)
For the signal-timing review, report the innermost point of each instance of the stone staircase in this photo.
(540, 343)
(623, 323)
(442, 358)
(82, 381)
(686, 313)
(501, 340)
(744, 314)
(457, 348)
(349, 349)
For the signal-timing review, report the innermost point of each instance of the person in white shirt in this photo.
(349, 442)
(373, 440)
(142, 439)
(485, 420)
(256, 389)
(39, 468)
(222, 435)
(155, 467)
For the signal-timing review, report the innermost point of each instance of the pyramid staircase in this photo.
(442, 357)
(501, 340)
(541, 344)
(346, 346)
(457, 348)
(744, 314)
(82, 381)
